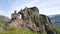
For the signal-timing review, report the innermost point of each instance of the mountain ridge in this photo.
(4, 19)
(55, 19)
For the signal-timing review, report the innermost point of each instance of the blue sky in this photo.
(47, 7)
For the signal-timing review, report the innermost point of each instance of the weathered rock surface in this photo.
(32, 20)
(33, 16)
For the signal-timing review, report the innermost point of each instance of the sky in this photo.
(47, 7)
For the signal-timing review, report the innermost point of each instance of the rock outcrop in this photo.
(42, 22)
(15, 21)
(32, 20)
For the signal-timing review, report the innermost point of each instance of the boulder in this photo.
(15, 23)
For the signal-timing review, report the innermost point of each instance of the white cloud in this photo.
(1, 12)
(17, 6)
(50, 4)
(5, 13)
(47, 7)
(50, 11)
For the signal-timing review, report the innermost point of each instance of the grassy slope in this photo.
(13, 30)
(17, 31)
(56, 29)
(21, 31)
(4, 19)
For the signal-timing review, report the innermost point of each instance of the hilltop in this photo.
(31, 20)
(55, 19)
(4, 19)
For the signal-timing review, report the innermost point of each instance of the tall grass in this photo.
(15, 30)
(56, 29)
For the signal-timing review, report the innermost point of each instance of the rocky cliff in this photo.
(31, 19)
(36, 21)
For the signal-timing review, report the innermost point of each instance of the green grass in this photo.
(15, 30)
(24, 30)
(56, 29)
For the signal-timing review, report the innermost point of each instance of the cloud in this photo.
(50, 4)
(5, 13)
(1, 12)
(50, 11)
(47, 7)
(17, 5)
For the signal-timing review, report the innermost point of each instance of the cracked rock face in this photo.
(33, 20)
(31, 16)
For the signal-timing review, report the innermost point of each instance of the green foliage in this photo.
(56, 29)
(15, 30)
(4, 19)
